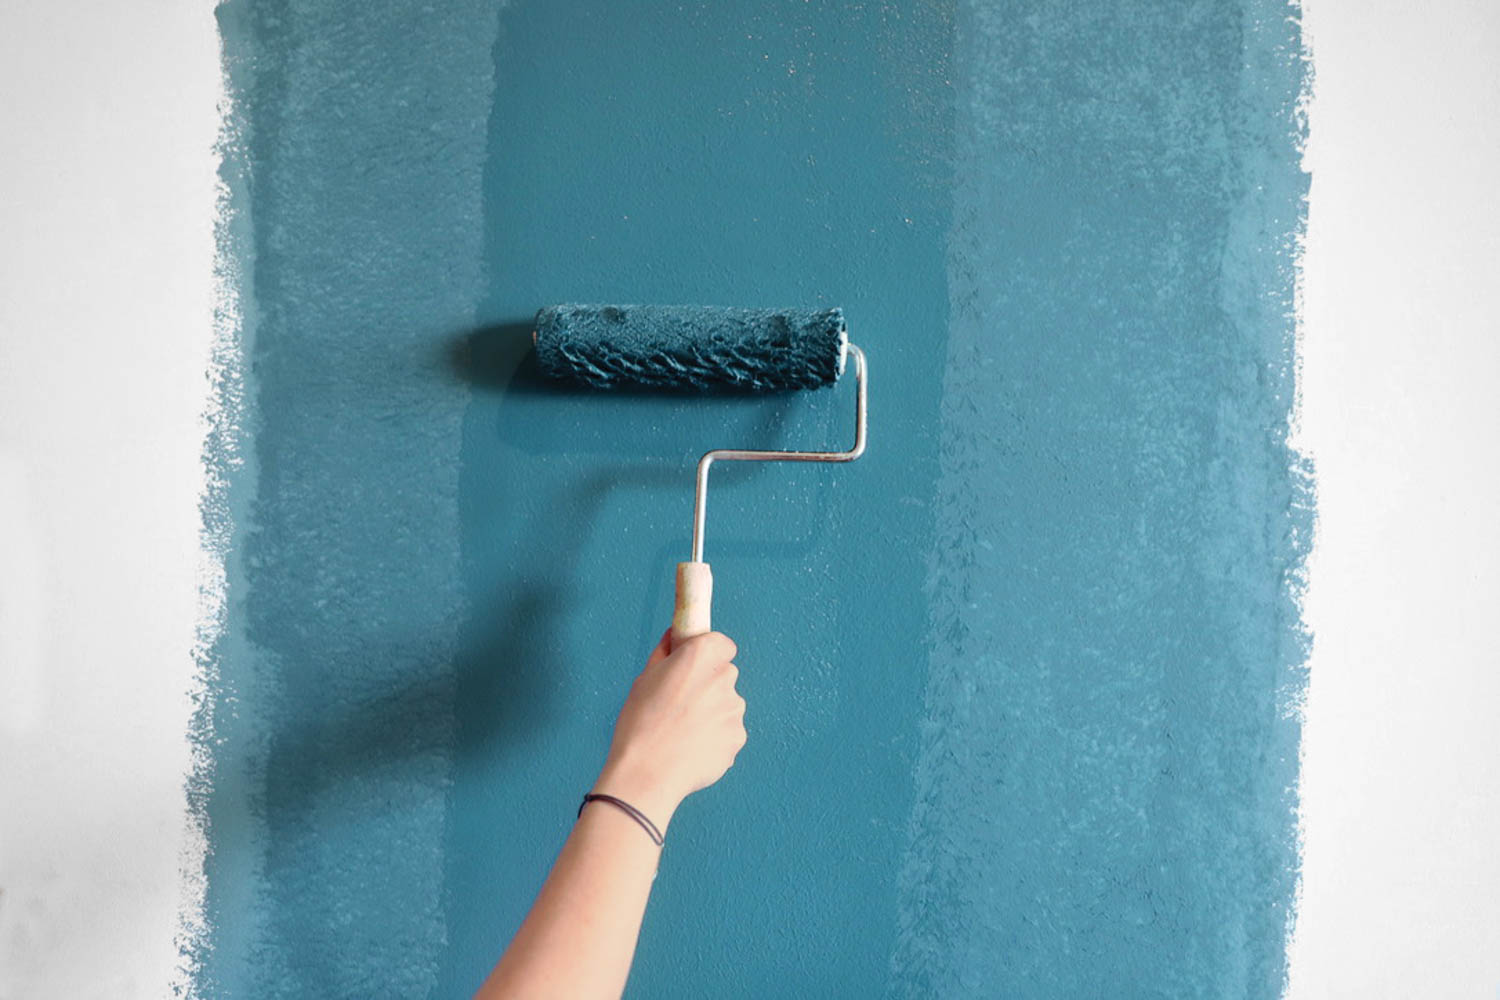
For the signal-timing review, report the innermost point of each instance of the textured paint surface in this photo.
(361, 138)
(1019, 680)
(1104, 788)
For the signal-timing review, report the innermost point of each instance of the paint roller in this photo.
(706, 349)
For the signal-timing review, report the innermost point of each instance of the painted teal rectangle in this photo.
(1021, 681)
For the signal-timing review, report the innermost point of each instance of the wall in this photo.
(1401, 780)
(106, 306)
(1021, 681)
(1029, 781)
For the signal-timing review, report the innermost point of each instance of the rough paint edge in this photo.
(1291, 530)
(912, 953)
(1303, 520)
(223, 456)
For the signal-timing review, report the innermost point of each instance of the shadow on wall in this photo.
(509, 670)
(507, 661)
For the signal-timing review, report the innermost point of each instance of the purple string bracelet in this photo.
(629, 810)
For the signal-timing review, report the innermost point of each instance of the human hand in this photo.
(680, 729)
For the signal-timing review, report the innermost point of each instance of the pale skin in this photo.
(679, 731)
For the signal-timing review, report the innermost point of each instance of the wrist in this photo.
(636, 785)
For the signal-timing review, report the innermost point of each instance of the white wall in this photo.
(106, 295)
(106, 273)
(1401, 410)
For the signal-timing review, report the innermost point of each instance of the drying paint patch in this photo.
(1105, 789)
(349, 238)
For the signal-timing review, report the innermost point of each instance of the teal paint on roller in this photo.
(692, 347)
(704, 347)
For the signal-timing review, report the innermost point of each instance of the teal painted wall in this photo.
(1020, 681)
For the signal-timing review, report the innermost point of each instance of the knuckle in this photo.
(727, 645)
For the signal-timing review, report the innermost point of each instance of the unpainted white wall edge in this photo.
(107, 197)
(1400, 357)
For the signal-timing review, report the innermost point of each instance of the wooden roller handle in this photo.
(695, 594)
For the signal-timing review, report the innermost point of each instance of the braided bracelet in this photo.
(629, 810)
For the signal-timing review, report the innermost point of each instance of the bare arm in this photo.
(679, 731)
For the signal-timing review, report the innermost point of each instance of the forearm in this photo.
(578, 940)
(677, 733)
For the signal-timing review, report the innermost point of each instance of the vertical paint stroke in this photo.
(772, 154)
(355, 156)
(1105, 798)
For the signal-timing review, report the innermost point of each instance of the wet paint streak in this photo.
(775, 155)
(1109, 747)
(360, 133)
